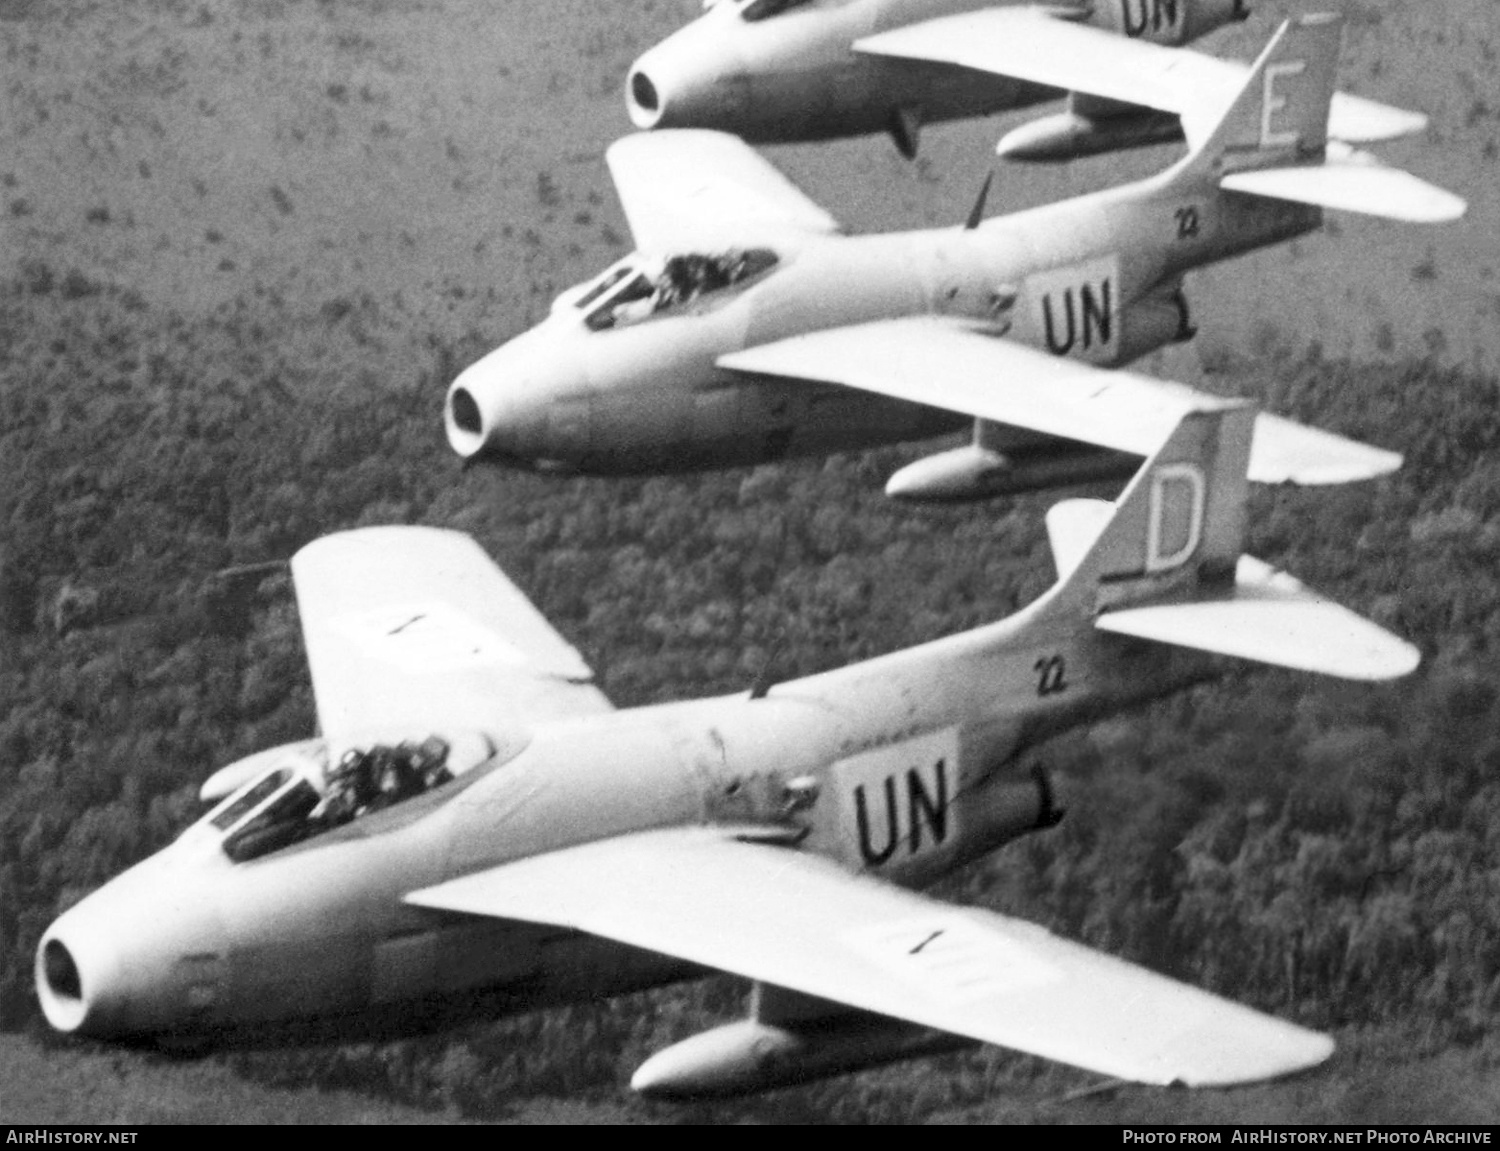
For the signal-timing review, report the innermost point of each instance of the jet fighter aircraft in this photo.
(785, 70)
(745, 327)
(477, 832)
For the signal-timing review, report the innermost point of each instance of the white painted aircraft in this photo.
(746, 327)
(477, 832)
(784, 70)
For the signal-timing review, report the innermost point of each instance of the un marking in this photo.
(1148, 18)
(899, 801)
(1077, 308)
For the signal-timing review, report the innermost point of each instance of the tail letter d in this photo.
(1176, 510)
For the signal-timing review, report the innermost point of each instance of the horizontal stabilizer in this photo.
(1353, 181)
(1286, 452)
(1272, 618)
(799, 921)
(1072, 528)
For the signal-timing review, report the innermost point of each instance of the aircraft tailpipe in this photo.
(1010, 808)
(1204, 16)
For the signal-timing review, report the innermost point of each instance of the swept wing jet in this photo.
(785, 70)
(478, 832)
(746, 327)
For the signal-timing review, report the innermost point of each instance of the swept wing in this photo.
(416, 628)
(696, 190)
(952, 365)
(1028, 44)
(798, 921)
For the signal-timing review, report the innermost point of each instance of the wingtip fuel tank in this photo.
(750, 1055)
(976, 472)
(1072, 135)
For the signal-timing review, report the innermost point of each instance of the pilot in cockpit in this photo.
(430, 762)
(676, 280)
(302, 796)
(351, 787)
(368, 780)
(685, 278)
(394, 775)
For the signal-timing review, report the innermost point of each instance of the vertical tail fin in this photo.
(1272, 141)
(1280, 115)
(1164, 563)
(1179, 527)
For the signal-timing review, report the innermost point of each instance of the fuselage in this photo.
(778, 72)
(904, 766)
(639, 389)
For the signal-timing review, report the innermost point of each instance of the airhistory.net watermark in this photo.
(1374, 1136)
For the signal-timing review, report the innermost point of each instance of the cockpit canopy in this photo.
(638, 286)
(267, 813)
(764, 9)
(753, 10)
(307, 792)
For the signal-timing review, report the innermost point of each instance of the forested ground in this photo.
(1330, 852)
(245, 244)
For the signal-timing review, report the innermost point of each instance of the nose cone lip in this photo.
(144, 955)
(77, 980)
(59, 985)
(463, 419)
(498, 408)
(485, 413)
(642, 99)
(695, 78)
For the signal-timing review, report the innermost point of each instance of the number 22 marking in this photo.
(1051, 675)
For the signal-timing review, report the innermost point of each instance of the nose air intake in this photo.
(519, 405)
(60, 987)
(465, 420)
(465, 412)
(60, 972)
(692, 79)
(643, 99)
